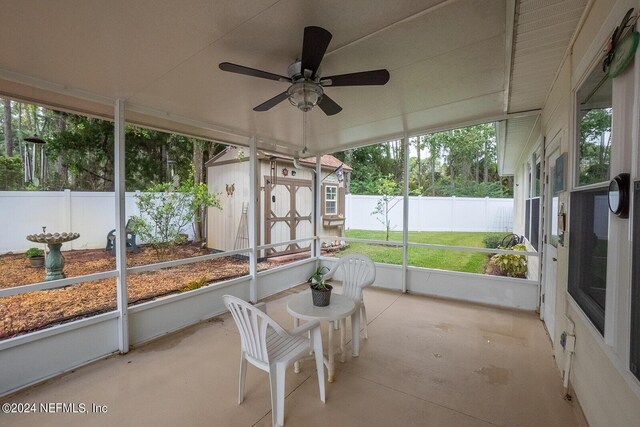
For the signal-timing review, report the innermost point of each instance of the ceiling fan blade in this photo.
(329, 106)
(241, 69)
(314, 46)
(269, 104)
(363, 78)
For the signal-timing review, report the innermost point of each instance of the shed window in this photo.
(331, 200)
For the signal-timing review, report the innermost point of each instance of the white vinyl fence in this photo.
(92, 214)
(432, 214)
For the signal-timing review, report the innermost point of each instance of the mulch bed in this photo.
(23, 313)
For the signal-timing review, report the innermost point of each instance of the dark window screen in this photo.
(634, 364)
(527, 219)
(588, 241)
(535, 221)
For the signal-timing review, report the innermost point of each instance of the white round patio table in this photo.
(301, 306)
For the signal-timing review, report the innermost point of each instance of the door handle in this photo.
(555, 259)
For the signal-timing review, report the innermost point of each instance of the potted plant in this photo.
(320, 290)
(36, 257)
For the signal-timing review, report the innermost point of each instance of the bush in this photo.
(34, 252)
(493, 240)
(512, 265)
(11, 174)
(167, 211)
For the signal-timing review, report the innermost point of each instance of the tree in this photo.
(389, 189)
(8, 134)
(10, 173)
(595, 145)
(166, 211)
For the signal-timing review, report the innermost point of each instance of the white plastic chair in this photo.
(268, 346)
(358, 272)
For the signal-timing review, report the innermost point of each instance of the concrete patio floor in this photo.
(427, 362)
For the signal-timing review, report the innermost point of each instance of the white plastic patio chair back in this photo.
(268, 346)
(358, 272)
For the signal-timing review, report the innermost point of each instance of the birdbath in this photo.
(55, 260)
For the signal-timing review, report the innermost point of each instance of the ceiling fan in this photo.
(307, 86)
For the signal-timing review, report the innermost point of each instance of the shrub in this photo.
(511, 264)
(34, 252)
(492, 240)
(167, 211)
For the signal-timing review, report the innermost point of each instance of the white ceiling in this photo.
(451, 62)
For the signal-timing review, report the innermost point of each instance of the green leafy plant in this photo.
(511, 264)
(195, 284)
(165, 212)
(493, 240)
(34, 252)
(317, 281)
(388, 188)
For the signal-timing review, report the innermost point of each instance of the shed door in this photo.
(288, 215)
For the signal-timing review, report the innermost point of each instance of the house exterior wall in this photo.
(599, 375)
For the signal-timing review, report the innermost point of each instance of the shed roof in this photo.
(327, 161)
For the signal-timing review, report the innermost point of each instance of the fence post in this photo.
(420, 215)
(486, 214)
(347, 208)
(67, 213)
(452, 222)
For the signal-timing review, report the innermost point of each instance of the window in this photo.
(594, 128)
(634, 363)
(589, 221)
(532, 204)
(331, 200)
(589, 211)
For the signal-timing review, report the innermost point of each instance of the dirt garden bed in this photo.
(36, 310)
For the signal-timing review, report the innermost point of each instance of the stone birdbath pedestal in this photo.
(55, 260)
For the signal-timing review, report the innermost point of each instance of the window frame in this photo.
(533, 200)
(595, 312)
(334, 199)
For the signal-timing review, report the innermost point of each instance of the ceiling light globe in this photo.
(305, 95)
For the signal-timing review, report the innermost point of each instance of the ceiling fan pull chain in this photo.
(304, 132)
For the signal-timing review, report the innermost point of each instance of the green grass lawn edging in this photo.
(442, 259)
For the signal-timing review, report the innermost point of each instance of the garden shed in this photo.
(286, 200)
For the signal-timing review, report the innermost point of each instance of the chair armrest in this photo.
(330, 274)
(303, 329)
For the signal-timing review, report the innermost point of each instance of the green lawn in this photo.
(470, 262)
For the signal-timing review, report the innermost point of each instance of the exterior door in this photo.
(288, 214)
(550, 242)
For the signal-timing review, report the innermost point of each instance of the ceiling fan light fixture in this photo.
(305, 95)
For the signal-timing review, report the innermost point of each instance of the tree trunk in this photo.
(61, 167)
(433, 175)
(198, 177)
(485, 162)
(8, 134)
(477, 168)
